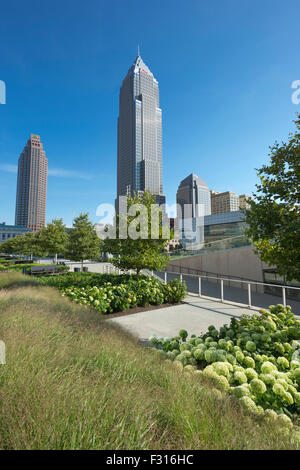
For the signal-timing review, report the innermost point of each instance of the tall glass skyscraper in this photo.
(139, 134)
(32, 185)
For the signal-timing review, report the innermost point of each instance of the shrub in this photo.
(258, 356)
(113, 293)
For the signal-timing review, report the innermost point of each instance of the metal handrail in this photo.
(222, 279)
(232, 280)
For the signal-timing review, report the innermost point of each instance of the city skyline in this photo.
(225, 80)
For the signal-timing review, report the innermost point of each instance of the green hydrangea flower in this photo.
(186, 353)
(183, 334)
(222, 343)
(240, 391)
(239, 356)
(268, 379)
(221, 369)
(284, 420)
(240, 377)
(178, 365)
(171, 355)
(251, 373)
(189, 368)
(270, 415)
(278, 389)
(221, 382)
(199, 354)
(248, 403)
(210, 355)
(230, 358)
(283, 362)
(257, 386)
(267, 367)
(279, 347)
(198, 341)
(250, 346)
(249, 362)
(287, 397)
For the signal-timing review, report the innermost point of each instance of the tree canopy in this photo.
(83, 241)
(274, 216)
(140, 237)
(53, 238)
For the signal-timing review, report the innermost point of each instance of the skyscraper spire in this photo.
(138, 50)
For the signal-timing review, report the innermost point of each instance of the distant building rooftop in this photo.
(224, 218)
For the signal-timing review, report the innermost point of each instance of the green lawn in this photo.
(75, 381)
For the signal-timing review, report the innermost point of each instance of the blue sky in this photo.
(225, 70)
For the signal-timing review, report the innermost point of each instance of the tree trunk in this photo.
(82, 265)
(55, 259)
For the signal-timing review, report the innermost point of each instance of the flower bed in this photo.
(256, 359)
(113, 293)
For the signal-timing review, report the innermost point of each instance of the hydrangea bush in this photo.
(113, 293)
(256, 359)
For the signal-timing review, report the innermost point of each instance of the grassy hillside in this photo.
(75, 381)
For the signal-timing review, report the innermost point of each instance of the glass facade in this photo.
(139, 134)
(226, 230)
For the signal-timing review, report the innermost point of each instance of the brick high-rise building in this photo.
(32, 185)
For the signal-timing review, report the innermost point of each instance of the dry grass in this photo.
(75, 381)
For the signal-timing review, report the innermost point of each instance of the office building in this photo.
(226, 201)
(139, 134)
(243, 201)
(193, 203)
(32, 185)
(11, 231)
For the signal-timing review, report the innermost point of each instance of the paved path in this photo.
(195, 315)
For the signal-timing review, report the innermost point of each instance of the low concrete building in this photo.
(11, 231)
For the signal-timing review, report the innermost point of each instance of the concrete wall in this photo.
(240, 262)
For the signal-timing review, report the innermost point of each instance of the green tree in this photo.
(53, 238)
(7, 247)
(145, 240)
(83, 241)
(274, 216)
(26, 245)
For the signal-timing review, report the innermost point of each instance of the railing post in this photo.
(180, 278)
(165, 277)
(199, 286)
(222, 290)
(249, 295)
(283, 297)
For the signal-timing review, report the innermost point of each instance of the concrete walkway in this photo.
(195, 315)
